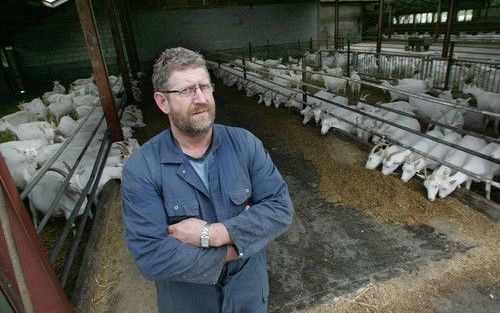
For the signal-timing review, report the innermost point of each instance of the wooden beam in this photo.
(120, 55)
(86, 16)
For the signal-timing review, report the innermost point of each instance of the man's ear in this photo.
(161, 101)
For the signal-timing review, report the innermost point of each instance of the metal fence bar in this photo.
(487, 157)
(434, 100)
(56, 155)
(95, 177)
(72, 170)
(473, 175)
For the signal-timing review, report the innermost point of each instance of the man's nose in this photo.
(199, 96)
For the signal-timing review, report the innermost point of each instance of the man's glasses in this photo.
(190, 91)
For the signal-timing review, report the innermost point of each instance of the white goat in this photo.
(487, 101)
(20, 157)
(36, 108)
(455, 157)
(393, 161)
(416, 163)
(476, 165)
(36, 130)
(410, 85)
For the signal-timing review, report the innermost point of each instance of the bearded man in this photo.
(201, 201)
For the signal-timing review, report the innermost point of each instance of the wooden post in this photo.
(336, 30)
(449, 25)
(379, 26)
(128, 33)
(120, 55)
(99, 70)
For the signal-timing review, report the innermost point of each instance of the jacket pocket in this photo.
(178, 210)
(240, 198)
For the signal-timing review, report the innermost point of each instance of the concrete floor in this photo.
(338, 250)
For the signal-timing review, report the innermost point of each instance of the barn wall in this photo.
(350, 21)
(54, 49)
(225, 27)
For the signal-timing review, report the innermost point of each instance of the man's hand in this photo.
(187, 231)
(231, 254)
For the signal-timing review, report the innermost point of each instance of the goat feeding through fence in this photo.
(420, 129)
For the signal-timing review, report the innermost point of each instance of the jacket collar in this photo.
(170, 151)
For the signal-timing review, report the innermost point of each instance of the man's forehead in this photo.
(186, 76)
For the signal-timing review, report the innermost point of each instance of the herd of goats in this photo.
(455, 156)
(69, 124)
(65, 122)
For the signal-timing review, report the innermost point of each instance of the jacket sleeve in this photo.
(157, 255)
(272, 209)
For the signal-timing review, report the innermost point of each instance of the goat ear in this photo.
(453, 182)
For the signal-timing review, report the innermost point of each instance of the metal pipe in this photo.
(85, 14)
(473, 175)
(97, 170)
(379, 25)
(336, 30)
(62, 189)
(438, 20)
(120, 55)
(54, 157)
(487, 157)
(14, 256)
(449, 25)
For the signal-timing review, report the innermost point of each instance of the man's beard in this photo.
(190, 127)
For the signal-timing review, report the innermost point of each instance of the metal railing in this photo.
(447, 73)
(244, 75)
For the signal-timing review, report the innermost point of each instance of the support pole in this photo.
(449, 25)
(438, 20)
(267, 49)
(304, 88)
(44, 289)
(336, 30)
(448, 68)
(99, 70)
(379, 25)
(120, 55)
(128, 33)
(389, 26)
(348, 58)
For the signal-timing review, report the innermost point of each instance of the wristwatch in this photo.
(205, 236)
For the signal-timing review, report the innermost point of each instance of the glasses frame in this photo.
(193, 89)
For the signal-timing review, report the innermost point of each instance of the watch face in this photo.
(204, 242)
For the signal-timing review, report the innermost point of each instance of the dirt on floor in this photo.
(463, 279)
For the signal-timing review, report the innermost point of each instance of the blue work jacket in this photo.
(160, 187)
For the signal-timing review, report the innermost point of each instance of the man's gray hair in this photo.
(174, 59)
